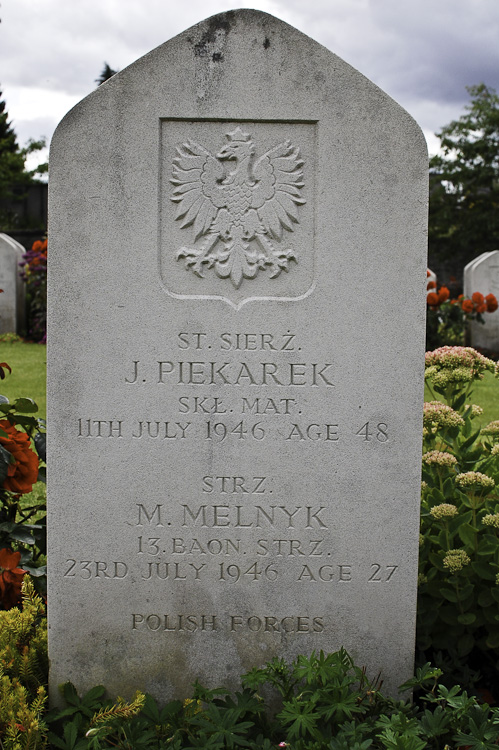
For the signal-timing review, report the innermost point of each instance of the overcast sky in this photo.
(421, 52)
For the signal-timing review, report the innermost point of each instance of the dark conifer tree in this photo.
(12, 170)
(107, 72)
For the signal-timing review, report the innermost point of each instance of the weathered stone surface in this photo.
(482, 275)
(12, 310)
(234, 407)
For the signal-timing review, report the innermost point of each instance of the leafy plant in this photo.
(22, 523)
(459, 545)
(34, 274)
(23, 673)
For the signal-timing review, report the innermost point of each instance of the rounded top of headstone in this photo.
(238, 64)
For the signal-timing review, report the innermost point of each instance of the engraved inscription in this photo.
(190, 623)
(238, 205)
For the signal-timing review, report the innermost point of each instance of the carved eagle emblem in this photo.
(239, 206)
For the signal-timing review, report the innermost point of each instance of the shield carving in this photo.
(236, 217)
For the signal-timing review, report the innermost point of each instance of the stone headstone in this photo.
(12, 304)
(235, 400)
(482, 275)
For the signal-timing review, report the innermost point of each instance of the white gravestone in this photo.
(12, 304)
(482, 275)
(235, 408)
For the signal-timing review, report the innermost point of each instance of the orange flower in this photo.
(432, 285)
(11, 578)
(428, 273)
(481, 308)
(22, 474)
(491, 303)
(443, 295)
(4, 366)
(467, 305)
(432, 299)
(478, 298)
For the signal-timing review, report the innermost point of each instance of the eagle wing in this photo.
(198, 192)
(277, 192)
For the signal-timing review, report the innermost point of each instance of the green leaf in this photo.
(469, 441)
(40, 441)
(465, 644)
(5, 461)
(449, 594)
(25, 405)
(466, 591)
(484, 570)
(21, 535)
(485, 598)
(436, 560)
(492, 640)
(448, 615)
(488, 546)
(467, 534)
(467, 619)
(35, 572)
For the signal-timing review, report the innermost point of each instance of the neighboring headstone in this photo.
(12, 304)
(236, 346)
(482, 275)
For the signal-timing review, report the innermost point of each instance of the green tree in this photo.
(12, 158)
(464, 184)
(107, 72)
(14, 177)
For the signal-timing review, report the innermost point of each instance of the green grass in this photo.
(485, 393)
(28, 377)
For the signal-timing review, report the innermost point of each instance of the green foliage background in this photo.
(464, 184)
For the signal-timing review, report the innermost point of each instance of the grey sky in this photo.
(423, 53)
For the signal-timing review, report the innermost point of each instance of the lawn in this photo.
(485, 393)
(28, 377)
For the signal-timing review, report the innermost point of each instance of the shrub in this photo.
(34, 274)
(324, 702)
(23, 673)
(22, 512)
(459, 546)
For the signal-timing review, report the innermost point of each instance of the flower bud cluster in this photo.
(455, 560)
(474, 480)
(491, 519)
(492, 428)
(476, 411)
(458, 356)
(439, 458)
(444, 510)
(436, 414)
(449, 376)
